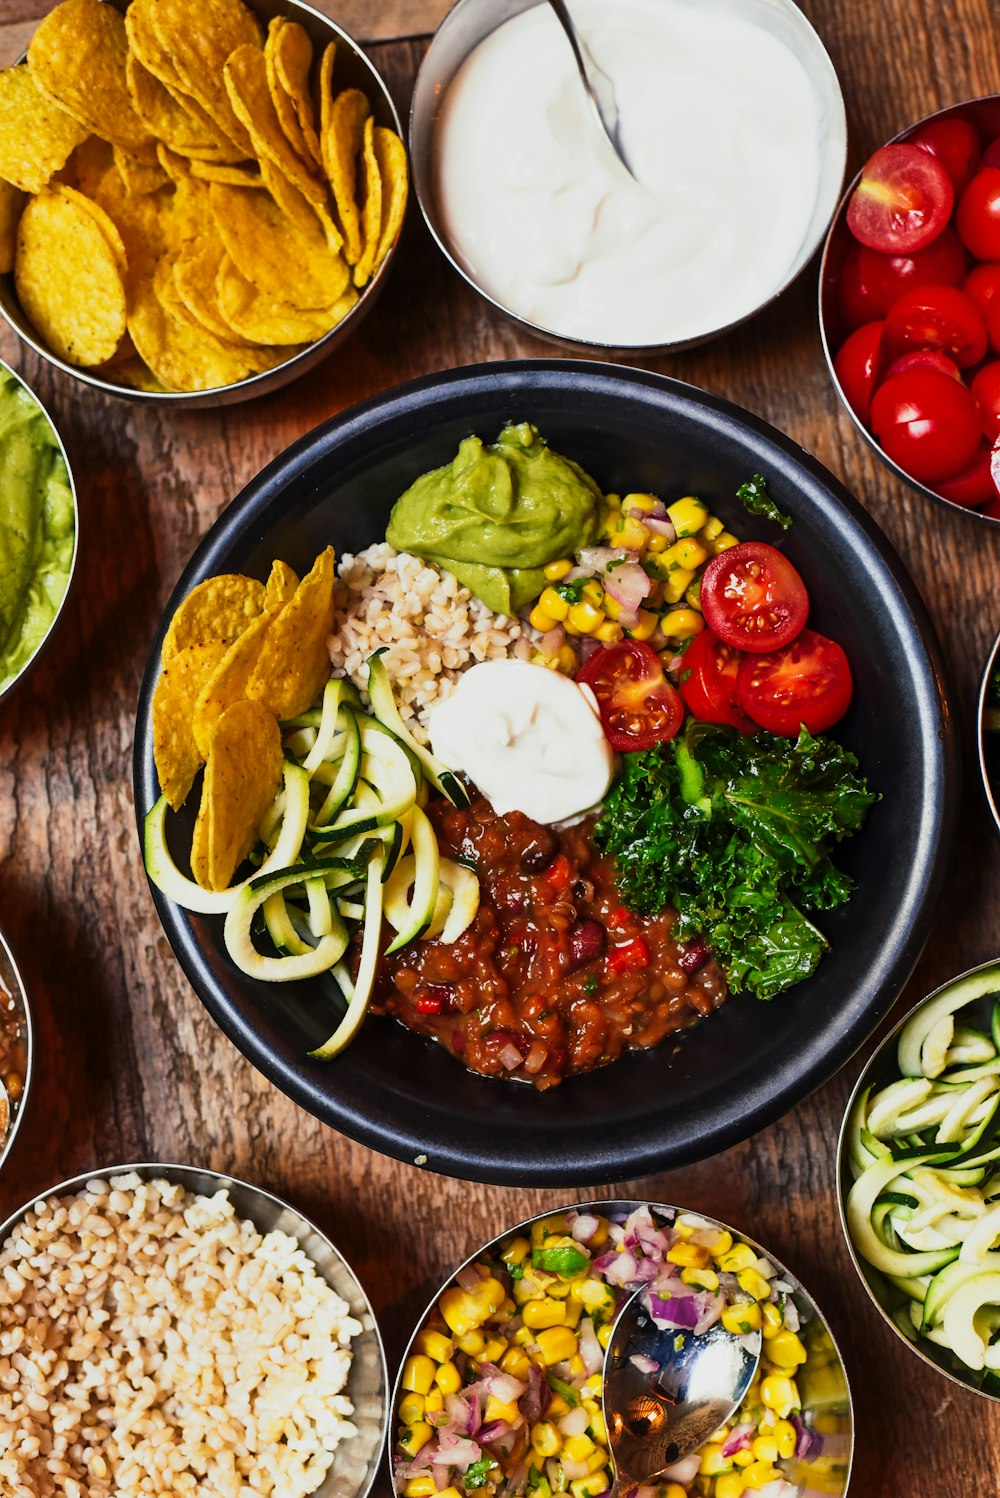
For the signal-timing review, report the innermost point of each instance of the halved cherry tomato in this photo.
(978, 216)
(638, 706)
(924, 358)
(982, 284)
(709, 668)
(973, 485)
(870, 281)
(993, 322)
(753, 598)
(986, 388)
(955, 143)
(903, 200)
(809, 682)
(927, 423)
(991, 156)
(857, 367)
(940, 317)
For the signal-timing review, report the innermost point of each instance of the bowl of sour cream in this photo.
(731, 117)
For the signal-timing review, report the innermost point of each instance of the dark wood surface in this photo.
(130, 1067)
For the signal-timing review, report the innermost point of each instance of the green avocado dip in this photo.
(37, 522)
(497, 514)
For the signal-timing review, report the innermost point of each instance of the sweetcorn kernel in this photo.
(414, 1438)
(701, 1279)
(499, 1409)
(578, 1448)
(729, 1485)
(646, 627)
(759, 1475)
(546, 1439)
(742, 1317)
(754, 1283)
(722, 1244)
(773, 1320)
(693, 1255)
(786, 1438)
(682, 624)
(541, 620)
(743, 1458)
(688, 515)
(724, 542)
(780, 1394)
(585, 617)
(516, 1362)
(418, 1374)
(556, 1344)
(495, 1347)
(553, 603)
(448, 1378)
(608, 633)
(554, 573)
(434, 1402)
(411, 1409)
(435, 1345)
(765, 1449)
(604, 1334)
(676, 585)
(712, 1461)
(689, 553)
(420, 1487)
(739, 1257)
(713, 527)
(647, 503)
(786, 1349)
(541, 1313)
(656, 544)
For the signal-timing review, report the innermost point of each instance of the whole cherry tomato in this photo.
(986, 389)
(955, 143)
(808, 682)
(982, 284)
(753, 598)
(857, 367)
(972, 486)
(638, 706)
(709, 668)
(924, 358)
(938, 317)
(902, 201)
(871, 281)
(927, 423)
(978, 216)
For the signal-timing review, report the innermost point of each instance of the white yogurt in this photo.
(529, 739)
(726, 134)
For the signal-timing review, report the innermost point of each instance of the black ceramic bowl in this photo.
(740, 1070)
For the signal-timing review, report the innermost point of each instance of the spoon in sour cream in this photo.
(599, 87)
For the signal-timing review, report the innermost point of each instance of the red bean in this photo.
(586, 943)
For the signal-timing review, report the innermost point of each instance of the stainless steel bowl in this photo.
(989, 739)
(32, 660)
(836, 1404)
(881, 1069)
(356, 1461)
(839, 240)
(353, 70)
(471, 21)
(14, 1003)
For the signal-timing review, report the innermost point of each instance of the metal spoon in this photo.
(599, 87)
(657, 1418)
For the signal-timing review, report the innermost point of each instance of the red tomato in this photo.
(639, 707)
(955, 143)
(986, 389)
(939, 317)
(982, 284)
(870, 281)
(753, 598)
(903, 200)
(857, 365)
(973, 485)
(927, 423)
(924, 358)
(978, 216)
(993, 322)
(708, 682)
(991, 156)
(809, 682)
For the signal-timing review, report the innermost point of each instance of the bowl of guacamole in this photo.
(37, 528)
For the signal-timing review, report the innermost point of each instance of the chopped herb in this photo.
(616, 562)
(755, 500)
(562, 1388)
(516, 1271)
(563, 1259)
(476, 1475)
(572, 592)
(652, 570)
(590, 983)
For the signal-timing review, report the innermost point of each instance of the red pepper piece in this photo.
(630, 956)
(558, 872)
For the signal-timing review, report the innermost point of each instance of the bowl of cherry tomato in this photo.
(909, 305)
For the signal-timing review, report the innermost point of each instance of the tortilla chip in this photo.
(103, 221)
(221, 171)
(371, 212)
(272, 253)
(294, 663)
(220, 608)
(242, 776)
(199, 36)
(228, 682)
(37, 136)
(250, 97)
(175, 751)
(390, 153)
(77, 55)
(342, 141)
(293, 55)
(253, 315)
(289, 199)
(182, 353)
(281, 585)
(68, 279)
(12, 201)
(133, 372)
(195, 271)
(139, 175)
(140, 221)
(86, 167)
(167, 112)
(284, 108)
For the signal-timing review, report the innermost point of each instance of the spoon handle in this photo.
(566, 22)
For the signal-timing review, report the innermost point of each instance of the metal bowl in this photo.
(471, 21)
(988, 740)
(836, 1405)
(356, 1462)
(30, 663)
(881, 1069)
(984, 113)
(14, 1005)
(353, 70)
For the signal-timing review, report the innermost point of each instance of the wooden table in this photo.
(131, 1067)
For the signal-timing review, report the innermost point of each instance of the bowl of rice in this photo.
(170, 1329)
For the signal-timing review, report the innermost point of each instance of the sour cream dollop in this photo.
(529, 739)
(726, 134)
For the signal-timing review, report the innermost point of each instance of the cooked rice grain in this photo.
(152, 1343)
(433, 628)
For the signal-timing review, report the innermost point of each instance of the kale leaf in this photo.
(735, 831)
(755, 499)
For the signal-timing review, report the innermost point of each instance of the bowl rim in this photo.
(947, 111)
(649, 1151)
(181, 1174)
(43, 644)
(607, 1205)
(593, 346)
(289, 369)
(842, 1172)
(23, 1003)
(992, 796)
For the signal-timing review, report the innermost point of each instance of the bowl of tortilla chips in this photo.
(199, 199)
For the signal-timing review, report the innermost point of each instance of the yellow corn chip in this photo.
(199, 36)
(183, 354)
(253, 315)
(281, 585)
(325, 91)
(103, 221)
(289, 199)
(86, 167)
(140, 221)
(12, 200)
(390, 153)
(167, 112)
(280, 260)
(228, 682)
(133, 372)
(246, 83)
(242, 776)
(293, 54)
(371, 212)
(139, 175)
(195, 271)
(37, 136)
(294, 662)
(220, 608)
(342, 142)
(175, 750)
(175, 166)
(220, 171)
(68, 279)
(284, 108)
(77, 55)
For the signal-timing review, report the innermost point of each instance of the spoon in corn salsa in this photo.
(502, 1390)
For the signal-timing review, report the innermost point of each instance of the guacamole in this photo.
(37, 523)
(497, 514)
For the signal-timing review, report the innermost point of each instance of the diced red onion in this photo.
(683, 1472)
(494, 1431)
(536, 1400)
(738, 1439)
(502, 1386)
(628, 618)
(591, 1351)
(766, 1268)
(791, 1312)
(573, 1469)
(576, 1422)
(809, 1443)
(455, 1451)
(644, 1364)
(510, 1057)
(596, 558)
(552, 640)
(628, 585)
(535, 1059)
(678, 1311)
(583, 1226)
(640, 513)
(660, 525)
(469, 1276)
(442, 1478)
(641, 1229)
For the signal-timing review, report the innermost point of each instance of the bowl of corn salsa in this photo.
(501, 1387)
